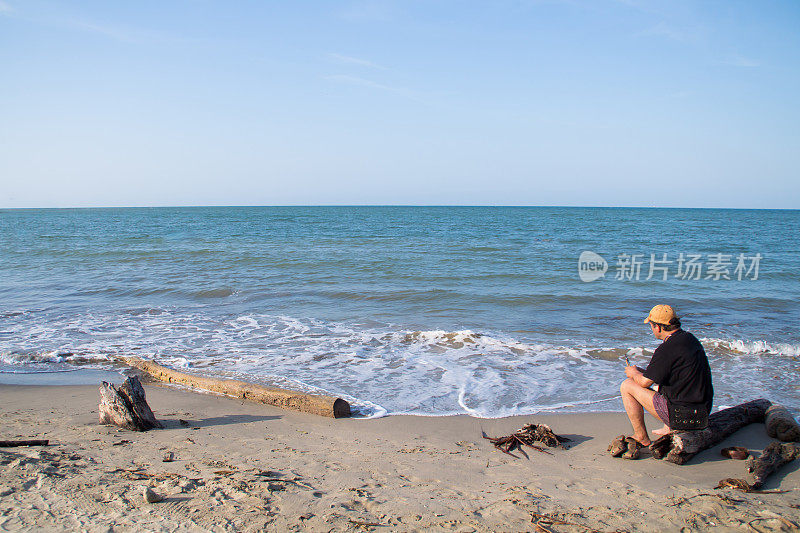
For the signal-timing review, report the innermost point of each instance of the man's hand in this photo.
(632, 372)
(635, 373)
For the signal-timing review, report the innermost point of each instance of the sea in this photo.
(485, 311)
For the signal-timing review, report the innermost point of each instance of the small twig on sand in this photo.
(365, 525)
(744, 486)
(675, 502)
(16, 443)
(791, 525)
(537, 518)
(281, 480)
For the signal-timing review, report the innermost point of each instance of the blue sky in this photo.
(571, 102)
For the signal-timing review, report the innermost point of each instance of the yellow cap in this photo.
(661, 314)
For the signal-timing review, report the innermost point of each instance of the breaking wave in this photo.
(380, 369)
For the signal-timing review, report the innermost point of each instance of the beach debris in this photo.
(781, 424)
(528, 435)
(183, 422)
(150, 496)
(543, 522)
(625, 447)
(126, 406)
(676, 502)
(735, 452)
(733, 483)
(618, 446)
(317, 404)
(784, 524)
(680, 446)
(168, 457)
(363, 524)
(270, 478)
(774, 456)
(634, 449)
(745, 486)
(17, 443)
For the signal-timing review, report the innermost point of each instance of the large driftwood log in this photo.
(126, 406)
(771, 459)
(287, 399)
(680, 446)
(781, 424)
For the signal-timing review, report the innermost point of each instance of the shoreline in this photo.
(245, 466)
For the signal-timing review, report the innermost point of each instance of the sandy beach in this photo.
(245, 467)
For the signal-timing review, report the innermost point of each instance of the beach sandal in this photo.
(618, 446)
(634, 448)
(625, 447)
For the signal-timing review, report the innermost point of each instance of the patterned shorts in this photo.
(660, 405)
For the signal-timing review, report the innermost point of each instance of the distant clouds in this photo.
(5, 7)
(360, 80)
(349, 60)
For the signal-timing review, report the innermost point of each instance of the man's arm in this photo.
(636, 375)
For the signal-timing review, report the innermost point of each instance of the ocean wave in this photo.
(222, 292)
(70, 358)
(755, 347)
(379, 368)
(208, 293)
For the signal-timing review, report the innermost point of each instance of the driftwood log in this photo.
(781, 424)
(680, 446)
(287, 399)
(126, 406)
(772, 458)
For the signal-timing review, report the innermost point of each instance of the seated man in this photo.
(680, 369)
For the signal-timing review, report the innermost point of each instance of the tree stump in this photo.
(680, 446)
(774, 456)
(781, 424)
(126, 406)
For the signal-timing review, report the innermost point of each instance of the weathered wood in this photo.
(297, 401)
(126, 406)
(15, 443)
(773, 457)
(132, 389)
(680, 446)
(781, 424)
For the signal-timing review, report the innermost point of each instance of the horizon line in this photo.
(201, 206)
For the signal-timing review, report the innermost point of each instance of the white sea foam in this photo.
(753, 347)
(378, 369)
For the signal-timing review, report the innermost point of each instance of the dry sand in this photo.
(245, 467)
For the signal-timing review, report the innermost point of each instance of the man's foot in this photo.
(645, 441)
(663, 431)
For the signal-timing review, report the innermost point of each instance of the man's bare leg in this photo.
(636, 399)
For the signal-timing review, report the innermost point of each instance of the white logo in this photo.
(591, 266)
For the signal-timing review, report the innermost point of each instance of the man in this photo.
(680, 369)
